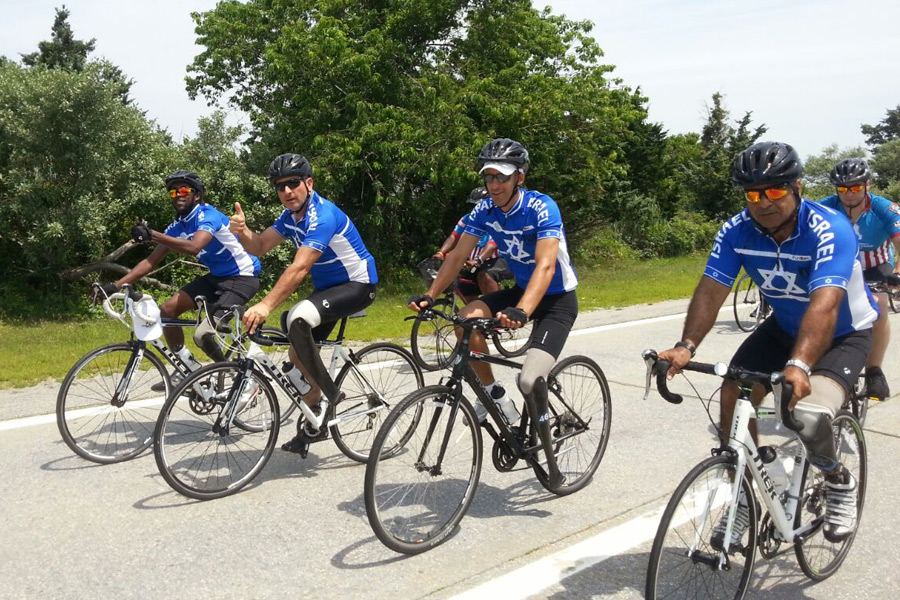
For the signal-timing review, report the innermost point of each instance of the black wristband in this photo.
(690, 347)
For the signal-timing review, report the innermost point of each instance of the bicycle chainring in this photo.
(502, 456)
(199, 405)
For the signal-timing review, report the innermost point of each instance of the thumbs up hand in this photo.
(238, 223)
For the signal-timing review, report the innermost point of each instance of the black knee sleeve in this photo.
(301, 338)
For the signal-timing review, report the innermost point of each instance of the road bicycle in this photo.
(433, 340)
(108, 403)
(415, 496)
(685, 561)
(213, 445)
(750, 306)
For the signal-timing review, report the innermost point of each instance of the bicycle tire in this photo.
(857, 401)
(90, 425)
(390, 374)
(433, 339)
(513, 342)
(676, 569)
(410, 506)
(580, 405)
(201, 463)
(747, 306)
(818, 558)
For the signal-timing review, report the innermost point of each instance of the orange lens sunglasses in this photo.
(843, 189)
(772, 193)
(182, 192)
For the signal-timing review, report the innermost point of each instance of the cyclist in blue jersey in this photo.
(202, 231)
(529, 232)
(331, 251)
(802, 256)
(876, 221)
(482, 261)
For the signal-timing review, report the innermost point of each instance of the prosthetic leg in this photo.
(538, 407)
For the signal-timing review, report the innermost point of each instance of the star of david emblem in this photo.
(790, 286)
(516, 250)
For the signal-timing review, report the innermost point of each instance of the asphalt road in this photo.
(73, 529)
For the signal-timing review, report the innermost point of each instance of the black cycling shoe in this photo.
(876, 383)
(298, 445)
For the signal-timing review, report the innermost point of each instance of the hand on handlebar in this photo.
(677, 357)
(255, 316)
(512, 317)
(798, 378)
(419, 302)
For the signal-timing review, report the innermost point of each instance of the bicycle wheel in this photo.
(819, 558)
(683, 562)
(514, 342)
(95, 422)
(748, 312)
(414, 502)
(580, 417)
(381, 375)
(857, 401)
(279, 355)
(433, 341)
(196, 454)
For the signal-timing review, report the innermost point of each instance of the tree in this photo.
(886, 165)
(885, 131)
(63, 51)
(720, 141)
(818, 167)
(392, 100)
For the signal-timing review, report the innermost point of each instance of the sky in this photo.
(811, 70)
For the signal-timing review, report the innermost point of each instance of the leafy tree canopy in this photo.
(391, 100)
(886, 130)
(62, 51)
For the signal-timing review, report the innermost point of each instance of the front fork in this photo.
(120, 396)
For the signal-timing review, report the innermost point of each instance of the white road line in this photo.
(528, 580)
(74, 414)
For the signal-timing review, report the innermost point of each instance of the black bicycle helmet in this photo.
(289, 164)
(503, 150)
(852, 170)
(477, 195)
(767, 163)
(188, 178)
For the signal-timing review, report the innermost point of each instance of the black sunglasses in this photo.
(498, 177)
(290, 183)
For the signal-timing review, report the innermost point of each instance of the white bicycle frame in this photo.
(339, 355)
(741, 443)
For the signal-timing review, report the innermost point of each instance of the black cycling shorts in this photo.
(553, 318)
(878, 272)
(769, 347)
(337, 302)
(222, 293)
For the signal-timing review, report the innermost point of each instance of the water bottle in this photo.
(192, 363)
(296, 377)
(507, 406)
(254, 351)
(777, 467)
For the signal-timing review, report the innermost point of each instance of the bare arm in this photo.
(447, 247)
(256, 244)
(815, 336)
(143, 267)
(190, 247)
(303, 261)
(545, 254)
(701, 316)
(450, 269)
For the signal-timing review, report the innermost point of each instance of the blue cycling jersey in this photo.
(223, 255)
(821, 252)
(461, 228)
(874, 228)
(327, 229)
(532, 218)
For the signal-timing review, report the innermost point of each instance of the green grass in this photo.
(34, 352)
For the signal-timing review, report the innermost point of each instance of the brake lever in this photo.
(650, 357)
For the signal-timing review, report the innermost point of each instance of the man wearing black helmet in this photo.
(331, 251)
(876, 221)
(481, 261)
(202, 231)
(528, 229)
(802, 256)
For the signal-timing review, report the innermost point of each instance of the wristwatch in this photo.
(796, 362)
(690, 347)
